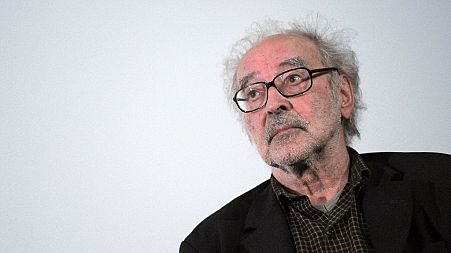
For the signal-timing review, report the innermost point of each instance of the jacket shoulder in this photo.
(227, 222)
(407, 156)
(426, 178)
(412, 165)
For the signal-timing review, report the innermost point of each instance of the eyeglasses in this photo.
(290, 83)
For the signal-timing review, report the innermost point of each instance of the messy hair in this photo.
(333, 47)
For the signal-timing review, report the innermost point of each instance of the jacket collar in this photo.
(266, 228)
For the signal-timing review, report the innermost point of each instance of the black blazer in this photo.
(406, 204)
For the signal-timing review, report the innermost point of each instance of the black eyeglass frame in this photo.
(272, 83)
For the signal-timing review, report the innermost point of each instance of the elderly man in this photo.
(297, 90)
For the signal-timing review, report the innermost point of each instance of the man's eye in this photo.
(293, 80)
(253, 94)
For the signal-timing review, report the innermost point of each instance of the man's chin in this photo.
(280, 159)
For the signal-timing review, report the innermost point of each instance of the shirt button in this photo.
(329, 232)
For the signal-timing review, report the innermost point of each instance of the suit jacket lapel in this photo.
(387, 207)
(266, 228)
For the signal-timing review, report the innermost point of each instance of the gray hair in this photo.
(334, 51)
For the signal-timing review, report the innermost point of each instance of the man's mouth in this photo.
(281, 131)
(283, 124)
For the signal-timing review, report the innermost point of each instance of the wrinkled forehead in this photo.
(274, 55)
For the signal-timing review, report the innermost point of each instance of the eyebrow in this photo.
(245, 79)
(295, 62)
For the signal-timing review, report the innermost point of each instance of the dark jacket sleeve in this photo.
(185, 247)
(202, 239)
(221, 231)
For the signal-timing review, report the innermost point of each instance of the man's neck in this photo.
(322, 178)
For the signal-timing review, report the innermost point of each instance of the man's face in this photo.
(290, 130)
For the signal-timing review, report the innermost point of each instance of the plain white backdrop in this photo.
(115, 135)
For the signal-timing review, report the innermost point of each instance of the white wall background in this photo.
(114, 132)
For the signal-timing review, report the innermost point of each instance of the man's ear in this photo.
(347, 97)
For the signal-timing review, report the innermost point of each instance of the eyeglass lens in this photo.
(290, 83)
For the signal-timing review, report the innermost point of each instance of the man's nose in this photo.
(276, 102)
